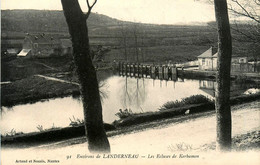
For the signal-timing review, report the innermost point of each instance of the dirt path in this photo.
(56, 79)
(167, 140)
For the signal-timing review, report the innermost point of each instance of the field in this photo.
(126, 40)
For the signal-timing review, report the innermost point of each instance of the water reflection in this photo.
(117, 92)
(208, 86)
(236, 87)
(133, 93)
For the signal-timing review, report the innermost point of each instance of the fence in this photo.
(246, 68)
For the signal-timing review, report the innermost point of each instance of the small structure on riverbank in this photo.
(40, 45)
(208, 60)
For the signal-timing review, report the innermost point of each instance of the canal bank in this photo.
(161, 137)
(131, 123)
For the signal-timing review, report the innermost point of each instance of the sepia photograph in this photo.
(171, 82)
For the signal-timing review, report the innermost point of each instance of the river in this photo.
(117, 92)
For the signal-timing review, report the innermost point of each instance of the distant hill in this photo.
(46, 21)
(155, 42)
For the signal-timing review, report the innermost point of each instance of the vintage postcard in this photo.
(130, 82)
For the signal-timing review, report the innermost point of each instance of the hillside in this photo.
(45, 21)
(150, 42)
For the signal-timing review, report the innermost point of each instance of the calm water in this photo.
(139, 95)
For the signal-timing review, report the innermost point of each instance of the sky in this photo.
(145, 11)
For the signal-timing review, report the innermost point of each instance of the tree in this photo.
(245, 19)
(77, 24)
(246, 9)
(222, 102)
(248, 31)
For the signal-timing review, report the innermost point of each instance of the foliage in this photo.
(76, 122)
(124, 114)
(180, 147)
(13, 133)
(40, 128)
(194, 99)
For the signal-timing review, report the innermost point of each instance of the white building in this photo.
(208, 61)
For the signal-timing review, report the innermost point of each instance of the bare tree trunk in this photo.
(223, 112)
(76, 20)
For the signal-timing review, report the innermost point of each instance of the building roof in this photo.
(24, 52)
(206, 54)
(43, 38)
(215, 55)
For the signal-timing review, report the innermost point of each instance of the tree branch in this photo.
(89, 8)
(244, 11)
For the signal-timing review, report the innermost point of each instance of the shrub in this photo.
(76, 122)
(194, 99)
(124, 114)
(41, 129)
(12, 133)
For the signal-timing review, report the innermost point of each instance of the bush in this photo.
(124, 114)
(194, 99)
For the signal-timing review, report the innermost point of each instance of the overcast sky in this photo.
(146, 11)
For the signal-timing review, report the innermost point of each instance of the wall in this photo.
(208, 64)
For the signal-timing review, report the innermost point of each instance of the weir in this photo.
(154, 71)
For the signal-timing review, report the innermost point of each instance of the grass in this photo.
(20, 68)
(243, 142)
(194, 99)
(33, 89)
(180, 147)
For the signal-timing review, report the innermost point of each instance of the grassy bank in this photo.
(184, 110)
(33, 89)
(21, 68)
(111, 131)
(50, 135)
(244, 142)
(194, 99)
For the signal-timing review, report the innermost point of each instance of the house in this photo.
(208, 60)
(40, 45)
